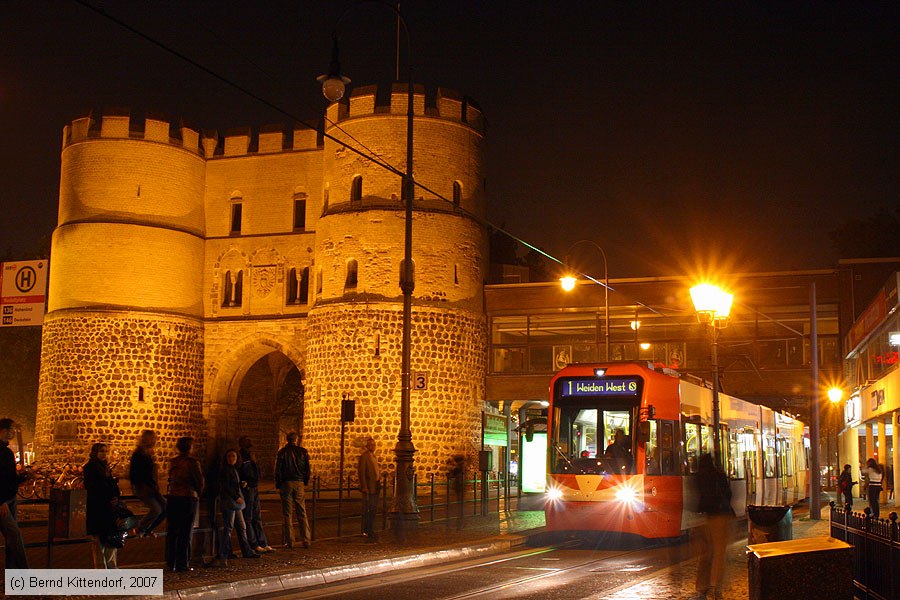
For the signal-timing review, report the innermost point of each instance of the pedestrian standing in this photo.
(185, 485)
(249, 472)
(370, 486)
(714, 503)
(10, 479)
(845, 486)
(232, 503)
(291, 475)
(874, 474)
(144, 477)
(456, 480)
(102, 501)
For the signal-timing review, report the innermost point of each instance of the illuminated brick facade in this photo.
(193, 278)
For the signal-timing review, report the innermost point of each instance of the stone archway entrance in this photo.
(258, 394)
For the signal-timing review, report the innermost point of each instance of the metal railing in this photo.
(876, 551)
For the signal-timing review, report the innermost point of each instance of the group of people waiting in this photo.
(874, 474)
(229, 488)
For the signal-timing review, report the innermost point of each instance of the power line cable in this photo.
(378, 161)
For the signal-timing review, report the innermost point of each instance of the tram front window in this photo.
(587, 441)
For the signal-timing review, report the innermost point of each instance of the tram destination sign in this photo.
(617, 387)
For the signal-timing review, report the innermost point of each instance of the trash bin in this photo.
(769, 524)
(819, 567)
(67, 513)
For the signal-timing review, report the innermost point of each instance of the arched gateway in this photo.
(244, 286)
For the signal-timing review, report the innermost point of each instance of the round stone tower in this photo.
(355, 324)
(122, 346)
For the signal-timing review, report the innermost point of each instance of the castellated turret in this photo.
(355, 327)
(242, 284)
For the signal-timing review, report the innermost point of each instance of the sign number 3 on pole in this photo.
(419, 380)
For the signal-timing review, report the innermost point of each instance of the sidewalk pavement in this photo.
(332, 560)
(677, 581)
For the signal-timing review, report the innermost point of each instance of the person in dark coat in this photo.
(102, 500)
(291, 475)
(142, 473)
(714, 503)
(185, 485)
(232, 503)
(10, 479)
(248, 469)
(845, 485)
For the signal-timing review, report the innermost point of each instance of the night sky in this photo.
(677, 136)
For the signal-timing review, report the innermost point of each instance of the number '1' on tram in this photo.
(625, 439)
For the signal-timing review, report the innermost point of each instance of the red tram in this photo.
(643, 485)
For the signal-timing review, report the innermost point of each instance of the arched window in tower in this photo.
(403, 272)
(457, 194)
(304, 286)
(356, 189)
(236, 197)
(291, 285)
(227, 289)
(350, 282)
(318, 282)
(238, 288)
(299, 212)
(455, 275)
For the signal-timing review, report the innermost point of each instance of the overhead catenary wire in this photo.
(371, 157)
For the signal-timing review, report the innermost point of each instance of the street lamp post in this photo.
(404, 510)
(713, 305)
(568, 283)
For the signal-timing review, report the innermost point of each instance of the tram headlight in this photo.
(554, 493)
(625, 494)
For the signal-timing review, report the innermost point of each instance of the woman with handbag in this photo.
(232, 502)
(102, 503)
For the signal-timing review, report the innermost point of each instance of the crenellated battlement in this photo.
(448, 105)
(119, 124)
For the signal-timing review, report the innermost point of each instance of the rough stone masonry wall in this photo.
(92, 366)
(356, 349)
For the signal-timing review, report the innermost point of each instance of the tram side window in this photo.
(736, 467)
(787, 458)
(769, 457)
(652, 450)
(692, 446)
(697, 441)
(667, 447)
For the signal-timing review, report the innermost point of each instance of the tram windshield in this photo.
(596, 439)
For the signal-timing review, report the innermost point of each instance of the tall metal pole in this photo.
(717, 442)
(815, 470)
(606, 297)
(404, 510)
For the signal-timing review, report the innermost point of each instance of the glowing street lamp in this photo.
(568, 283)
(713, 305)
(835, 395)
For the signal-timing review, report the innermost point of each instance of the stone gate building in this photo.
(243, 285)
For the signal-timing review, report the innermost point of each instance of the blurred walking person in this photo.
(291, 475)
(714, 502)
(370, 486)
(10, 479)
(144, 477)
(102, 502)
(249, 472)
(185, 485)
